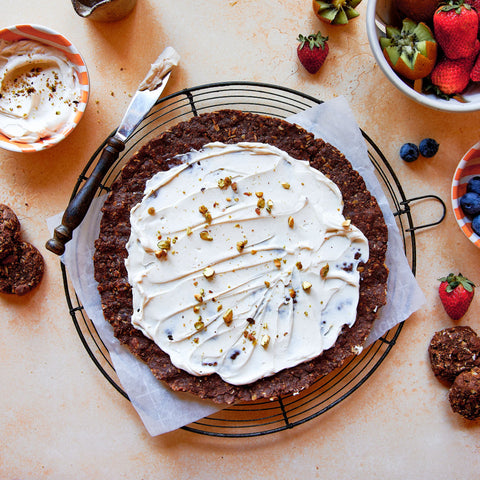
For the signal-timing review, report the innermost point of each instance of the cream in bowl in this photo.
(43, 88)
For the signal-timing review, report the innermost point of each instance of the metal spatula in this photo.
(147, 94)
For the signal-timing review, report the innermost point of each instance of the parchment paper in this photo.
(162, 410)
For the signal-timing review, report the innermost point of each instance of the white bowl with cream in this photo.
(44, 88)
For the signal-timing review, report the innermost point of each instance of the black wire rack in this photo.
(264, 416)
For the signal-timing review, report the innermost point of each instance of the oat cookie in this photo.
(464, 394)
(454, 350)
(9, 231)
(22, 271)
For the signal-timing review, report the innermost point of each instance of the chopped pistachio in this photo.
(259, 194)
(224, 182)
(208, 272)
(324, 271)
(164, 244)
(346, 223)
(161, 254)
(267, 284)
(265, 341)
(228, 317)
(285, 185)
(292, 293)
(219, 307)
(199, 324)
(261, 203)
(196, 309)
(306, 286)
(299, 265)
(204, 235)
(277, 262)
(291, 222)
(198, 297)
(151, 211)
(189, 231)
(241, 245)
(203, 209)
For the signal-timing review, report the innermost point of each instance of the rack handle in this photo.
(79, 205)
(406, 208)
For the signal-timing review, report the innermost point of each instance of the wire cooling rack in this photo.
(263, 416)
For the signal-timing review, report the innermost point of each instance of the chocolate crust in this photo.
(230, 126)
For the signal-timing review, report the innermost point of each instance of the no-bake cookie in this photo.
(464, 394)
(9, 231)
(21, 264)
(454, 350)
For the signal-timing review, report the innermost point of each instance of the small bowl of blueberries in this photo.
(466, 194)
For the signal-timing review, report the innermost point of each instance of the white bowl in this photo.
(381, 13)
(49, 38)
(468, 167)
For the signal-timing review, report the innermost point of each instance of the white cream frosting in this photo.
(168, 59)
(39, 90)
(274, 278)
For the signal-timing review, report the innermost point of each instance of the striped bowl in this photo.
(468, 167)
(51, 38)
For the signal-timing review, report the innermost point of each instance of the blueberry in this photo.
(428, 147)
(473, 185)
(476, 224)
(409, 152)
(470, 203)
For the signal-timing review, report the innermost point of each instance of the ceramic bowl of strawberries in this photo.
(429, 50)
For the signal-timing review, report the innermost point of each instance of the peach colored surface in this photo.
(60, 417)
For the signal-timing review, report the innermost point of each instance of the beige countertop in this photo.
(62, 419)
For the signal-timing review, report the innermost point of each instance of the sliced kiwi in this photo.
(406, 44)
(336, 12)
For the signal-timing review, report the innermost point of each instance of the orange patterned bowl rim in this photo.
(468, 167)
(51, 38)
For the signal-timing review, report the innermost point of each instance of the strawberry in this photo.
(453, 76)
(476, 5)
(456, 28)
(417, 10)
(312, 51)
(475, 73)
(456, 293)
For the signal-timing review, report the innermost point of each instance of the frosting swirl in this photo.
(39, 90)
(241, 262)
